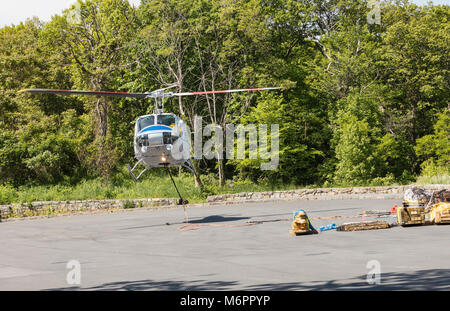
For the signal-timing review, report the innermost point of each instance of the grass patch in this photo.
(442, 179)
(433, 174)
(128, 204)
(159, 185)
(153, 186)
(95, 189)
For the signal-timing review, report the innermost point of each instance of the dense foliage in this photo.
(362, 103)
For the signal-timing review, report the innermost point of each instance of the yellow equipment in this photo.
(411, 215)
(439, 214)
(301, 224)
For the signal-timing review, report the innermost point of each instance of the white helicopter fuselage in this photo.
(156, 136)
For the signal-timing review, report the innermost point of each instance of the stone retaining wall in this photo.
(387, 192)
(54, 207)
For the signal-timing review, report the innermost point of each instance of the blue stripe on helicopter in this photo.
(156, 128)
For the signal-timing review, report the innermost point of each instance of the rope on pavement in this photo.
(191, 227)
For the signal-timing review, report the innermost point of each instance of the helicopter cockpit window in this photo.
(168, 120)
(146, 121)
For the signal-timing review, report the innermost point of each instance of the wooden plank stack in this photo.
(364, 225)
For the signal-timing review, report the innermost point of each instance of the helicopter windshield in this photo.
(168, 120)
(145, 121)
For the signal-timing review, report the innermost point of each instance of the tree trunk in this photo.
(101, 130)
(197, 180)
(104, 158)
(221, 173)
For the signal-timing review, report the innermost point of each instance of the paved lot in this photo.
(144, 250)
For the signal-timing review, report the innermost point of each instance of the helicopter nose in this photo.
(169, 138)
(155, 140)
(148, 140)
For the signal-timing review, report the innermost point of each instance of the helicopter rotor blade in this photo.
(90, 93)
(154, 94)
(225, 91)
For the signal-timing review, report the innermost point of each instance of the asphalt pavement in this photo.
(220, 250)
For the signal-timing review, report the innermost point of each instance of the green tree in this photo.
(32, 144)
(355, 152)
(415, 69)
(434, 149)
(96, 42)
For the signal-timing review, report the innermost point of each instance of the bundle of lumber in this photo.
(364, 225)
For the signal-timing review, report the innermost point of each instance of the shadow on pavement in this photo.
(146, 285)
(435, 279)
(208, 219)
(216, 218)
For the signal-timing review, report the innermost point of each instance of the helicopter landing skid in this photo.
(130, 170)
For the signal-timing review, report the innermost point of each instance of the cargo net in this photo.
(442, 196)
(418, 197)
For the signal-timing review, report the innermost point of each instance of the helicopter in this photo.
(160, 139)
